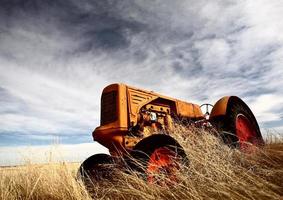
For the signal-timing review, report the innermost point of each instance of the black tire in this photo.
(96, 168)
(141, 153)
(226, 125)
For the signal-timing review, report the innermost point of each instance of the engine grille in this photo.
(108, 107)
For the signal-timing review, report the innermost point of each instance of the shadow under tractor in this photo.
(135, 126)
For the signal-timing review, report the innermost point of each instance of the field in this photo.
(215, 172)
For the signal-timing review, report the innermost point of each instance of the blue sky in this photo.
(56, 57)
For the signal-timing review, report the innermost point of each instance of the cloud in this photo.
(266, 103)
(48, 153)
(56, 56)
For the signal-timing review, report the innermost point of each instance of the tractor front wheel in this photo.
(158, 158)
(96, 168)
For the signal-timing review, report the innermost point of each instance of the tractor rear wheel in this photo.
(158, 158)
(96, 168)
(239, 127)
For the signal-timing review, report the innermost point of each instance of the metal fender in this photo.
(220, 107)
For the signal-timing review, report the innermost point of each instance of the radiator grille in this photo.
(108, 107)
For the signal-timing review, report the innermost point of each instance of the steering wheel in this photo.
(207, 106)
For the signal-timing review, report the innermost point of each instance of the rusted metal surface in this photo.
(129, 114)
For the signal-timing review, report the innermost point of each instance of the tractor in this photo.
(137, 123)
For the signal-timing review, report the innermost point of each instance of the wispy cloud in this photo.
(48, 153)
(56, 56)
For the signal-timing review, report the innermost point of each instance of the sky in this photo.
(56, 56)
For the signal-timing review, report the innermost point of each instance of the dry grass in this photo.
(215, 172)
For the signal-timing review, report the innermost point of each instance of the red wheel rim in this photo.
(245, 131)
(163, 162)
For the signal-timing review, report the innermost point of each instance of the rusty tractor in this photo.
(137, 123)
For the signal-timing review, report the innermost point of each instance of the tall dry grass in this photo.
(215, 172)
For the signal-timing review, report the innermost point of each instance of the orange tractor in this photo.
(138, 123)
